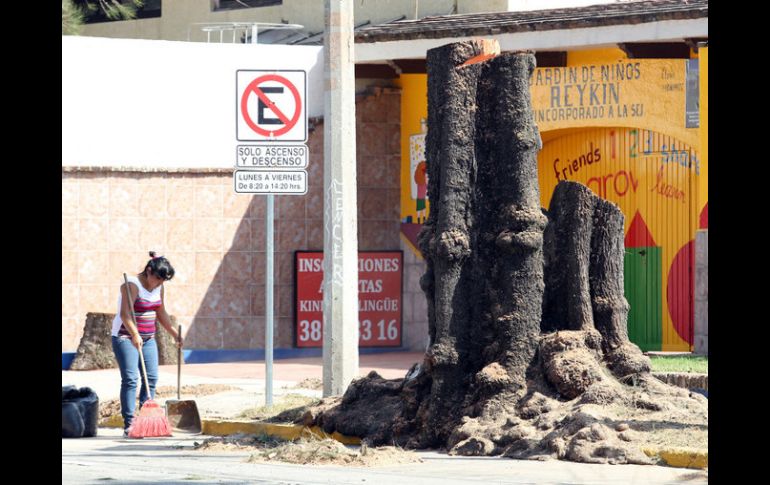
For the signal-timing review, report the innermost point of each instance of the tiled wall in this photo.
(415, 326)
(214, 238)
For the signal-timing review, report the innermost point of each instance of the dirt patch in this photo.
(239, 442)
(168, 392)
(308, 451)
(313, 383)
(111, 407)
(286, 409)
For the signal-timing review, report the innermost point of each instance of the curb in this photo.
(679, 457)
(222, 427)
(675, 457)
(285, 431)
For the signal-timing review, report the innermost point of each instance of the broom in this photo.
(151, 420)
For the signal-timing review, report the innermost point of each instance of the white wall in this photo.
(153, 104)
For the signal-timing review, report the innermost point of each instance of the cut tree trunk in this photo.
(525, 307)
(95, 347)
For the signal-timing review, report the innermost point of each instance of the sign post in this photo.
(271, 110)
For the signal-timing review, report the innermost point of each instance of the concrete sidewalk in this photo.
(109, 458)
(247, 376)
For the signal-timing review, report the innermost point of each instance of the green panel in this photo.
(642, 283)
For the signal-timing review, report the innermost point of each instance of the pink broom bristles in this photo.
(150, 422)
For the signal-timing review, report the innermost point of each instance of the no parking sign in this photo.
(271, 105)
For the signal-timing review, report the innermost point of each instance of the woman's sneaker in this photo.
(125, 433)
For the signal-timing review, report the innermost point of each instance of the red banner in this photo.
(379, 298)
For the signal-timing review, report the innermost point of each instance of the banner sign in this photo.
(379, 298)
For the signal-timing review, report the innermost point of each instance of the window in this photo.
(219, 5)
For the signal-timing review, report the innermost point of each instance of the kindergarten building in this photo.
(620, 97)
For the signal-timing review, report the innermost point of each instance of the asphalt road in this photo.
(111, 459)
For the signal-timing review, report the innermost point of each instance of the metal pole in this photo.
(268, 285)
(269, 305)
(340, 287)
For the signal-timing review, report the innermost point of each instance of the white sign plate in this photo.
(272, 157)
(281, 182)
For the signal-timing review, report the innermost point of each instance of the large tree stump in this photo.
(95, 347)
(525, 307)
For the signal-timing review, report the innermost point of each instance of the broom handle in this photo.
(141, 357)
(178, 364)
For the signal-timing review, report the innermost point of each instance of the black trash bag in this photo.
(71, 420)
(68, 392)
(86, 404)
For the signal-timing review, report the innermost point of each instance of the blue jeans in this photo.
(131, 374)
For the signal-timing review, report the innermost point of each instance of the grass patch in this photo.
(680, 363)
(285, 409)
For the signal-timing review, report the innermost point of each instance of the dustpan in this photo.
(183, 415)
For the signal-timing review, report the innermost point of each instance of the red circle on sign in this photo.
(254, 87)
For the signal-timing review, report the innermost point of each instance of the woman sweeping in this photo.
(128, 336)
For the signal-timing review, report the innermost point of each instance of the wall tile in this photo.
(237, 333)
(94, 199)
(210, 298)
(209, 234)
(180, 202)
(181, 301)
(69, 267)
(237, 234)
(184, 266)
(373, 204)
(284, 333)
(93, 234)
(152, 197)
(70, 233)
(179, 235)
(315, 235)
(258, 242)
(257, 207)
(124, 233)
(284, 264)
(152, 235)
(258, 300)
(92, 269)
(97, 298)
(237, 268)
(290, 235)
(315, 202)
(70, 299)
(284, 295)
(235, 205)
(70, 197)
(209, 201)
(124, 200)
(291, 207)
(205, 333)
(208, 267)
(129, 262)
(236, 300)
(255, 329)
